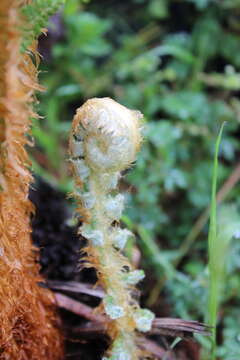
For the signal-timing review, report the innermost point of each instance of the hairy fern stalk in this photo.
(104, 141)
(27, 317)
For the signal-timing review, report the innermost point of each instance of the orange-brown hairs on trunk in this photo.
(28, 329)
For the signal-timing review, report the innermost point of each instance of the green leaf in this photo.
(213, 245)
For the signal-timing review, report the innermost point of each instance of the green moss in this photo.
(37, 14)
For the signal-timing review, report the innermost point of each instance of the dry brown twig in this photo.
(98, 325)
(229, 184)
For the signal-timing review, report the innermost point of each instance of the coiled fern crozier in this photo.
(104, 141)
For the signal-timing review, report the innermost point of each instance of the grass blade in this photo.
(212, 243)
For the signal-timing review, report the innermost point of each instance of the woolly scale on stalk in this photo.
(104, 141)
(27, 317)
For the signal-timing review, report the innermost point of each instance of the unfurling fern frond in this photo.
(104, 142)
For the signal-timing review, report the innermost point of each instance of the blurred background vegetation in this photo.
(178, 62)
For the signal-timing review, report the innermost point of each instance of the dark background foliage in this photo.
(178, 62)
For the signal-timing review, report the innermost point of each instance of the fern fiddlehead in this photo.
(104, 141)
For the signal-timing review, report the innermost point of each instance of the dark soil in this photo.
(60, 260)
